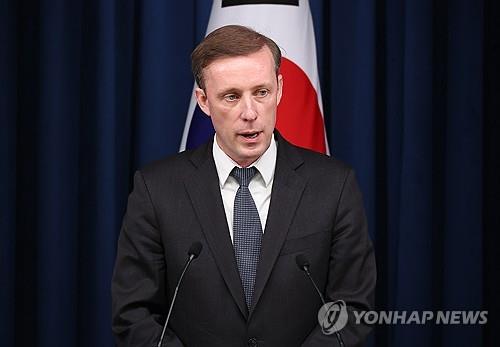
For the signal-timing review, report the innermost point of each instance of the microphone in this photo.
(303, 265)
(193, 253)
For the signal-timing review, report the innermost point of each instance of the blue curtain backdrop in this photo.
(91, 90)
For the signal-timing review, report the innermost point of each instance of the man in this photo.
(255, 202)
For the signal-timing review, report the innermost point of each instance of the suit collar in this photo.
(287, 190)
(204, 192)
(288, 152)
(265, 164)
(285, 150)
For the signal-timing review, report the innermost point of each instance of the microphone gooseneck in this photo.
(193, 253)
(304, 265)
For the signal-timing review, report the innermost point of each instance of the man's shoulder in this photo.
(315, 163)
(179, 164)
(320, 160)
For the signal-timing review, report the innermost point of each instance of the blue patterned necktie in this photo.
(247, 231)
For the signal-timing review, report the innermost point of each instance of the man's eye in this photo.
(231, 97)
(262, 92)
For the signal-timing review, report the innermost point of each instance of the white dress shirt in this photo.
(260, 186)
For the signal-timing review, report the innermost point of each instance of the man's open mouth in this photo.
(250, 135)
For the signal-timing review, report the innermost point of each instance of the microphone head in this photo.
(302, 261)
(195, 249)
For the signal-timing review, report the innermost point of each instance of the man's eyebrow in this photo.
(262, 86)
(238, 91)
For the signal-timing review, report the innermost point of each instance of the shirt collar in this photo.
(265, 164)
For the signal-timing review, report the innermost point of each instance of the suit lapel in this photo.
(204, 192)
(286, 193)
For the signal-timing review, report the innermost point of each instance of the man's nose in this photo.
(248, 109)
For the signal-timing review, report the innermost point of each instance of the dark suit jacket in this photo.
(316, 209)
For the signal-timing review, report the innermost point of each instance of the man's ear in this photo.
(201, 98)
(280, 89)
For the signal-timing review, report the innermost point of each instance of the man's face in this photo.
(241, 96)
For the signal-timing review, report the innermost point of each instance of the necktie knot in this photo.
(243, 175)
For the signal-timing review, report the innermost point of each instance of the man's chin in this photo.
(246, 157)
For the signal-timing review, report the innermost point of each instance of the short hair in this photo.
(230, 41)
